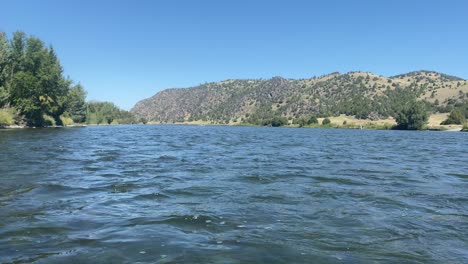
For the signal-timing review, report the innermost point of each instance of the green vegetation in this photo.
(305, 121)
(275, 121)
(33, 85)
(412, 116)
(279, 121)
(6, 118)
(326, 121)
(48, 120)
(106, 113)
(66, 120)
(458, 116)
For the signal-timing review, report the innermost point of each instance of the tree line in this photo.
(35, 92)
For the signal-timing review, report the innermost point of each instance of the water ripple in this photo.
(190, 194)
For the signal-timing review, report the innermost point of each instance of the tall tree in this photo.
(4, 54)
(75, 103)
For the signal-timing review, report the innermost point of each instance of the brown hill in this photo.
(363, 94)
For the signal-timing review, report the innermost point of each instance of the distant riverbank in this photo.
(342, 121)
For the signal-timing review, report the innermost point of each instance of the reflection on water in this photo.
(172, 194)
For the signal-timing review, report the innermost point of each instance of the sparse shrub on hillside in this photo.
(326, 121)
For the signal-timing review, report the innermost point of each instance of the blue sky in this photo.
(124, 51)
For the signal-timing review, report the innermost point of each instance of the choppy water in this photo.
(191, 194)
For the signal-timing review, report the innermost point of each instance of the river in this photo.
(219, 194)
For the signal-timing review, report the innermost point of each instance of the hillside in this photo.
(361, 94)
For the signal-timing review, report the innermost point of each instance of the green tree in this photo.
(301, 121)
(278, 121)
(456, 117)
(24, 93)
(326, 121)
(412, 116)
(107, 113)
(17, 53)
(312, 120)
(4, 54)
(75, 104)
(32, 79)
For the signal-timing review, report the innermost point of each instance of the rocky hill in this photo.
(362, 94)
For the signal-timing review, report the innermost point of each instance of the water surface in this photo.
(193, 194)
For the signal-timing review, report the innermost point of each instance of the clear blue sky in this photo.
(124, 51)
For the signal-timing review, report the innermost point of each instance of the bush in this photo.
(279, 121)
(304, 121)
(66, 120)
(326, 121)
(48, 120)
(312, 120)
(456, 117)
(6, 118)
(413, 116)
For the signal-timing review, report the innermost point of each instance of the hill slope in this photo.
(365, 95)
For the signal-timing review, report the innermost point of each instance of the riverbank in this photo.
(22, 127)
(342, 121)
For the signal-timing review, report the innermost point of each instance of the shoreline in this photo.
(31, 127)
(338, 122)
(441, 128)
(446, 128)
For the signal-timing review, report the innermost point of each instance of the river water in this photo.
(216, 194)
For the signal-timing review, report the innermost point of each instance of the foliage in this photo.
(32, 81)
(105, 113)
(326, 121)
(412, 116)
(278, 121)
(312, 120)
(3, 71)
(6, 117)
(456, 117)
(305, 121)
(48, 120)
(75, 104)
(66, 120)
